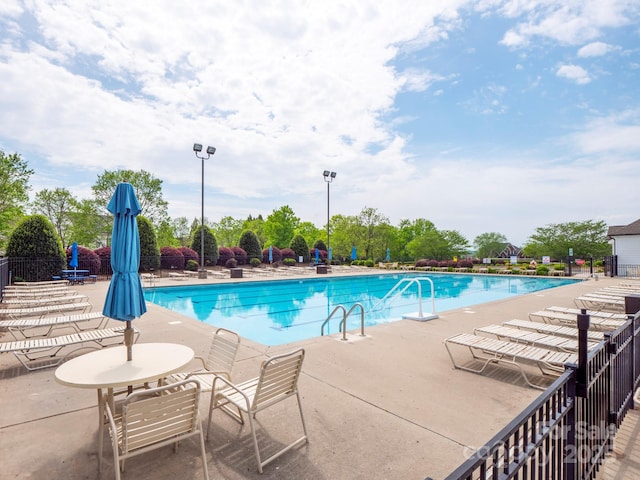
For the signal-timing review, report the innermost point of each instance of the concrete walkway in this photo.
(387, 406)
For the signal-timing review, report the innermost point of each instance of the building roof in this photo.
(631, 229)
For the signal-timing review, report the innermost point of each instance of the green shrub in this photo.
(558, 266)
(250, 244)
(300, 247)
(149, 251)
(368, 263)
(192, 266)
(211, 253)
(289, 262)
(35, 238)
(255, 262)
(542, 270)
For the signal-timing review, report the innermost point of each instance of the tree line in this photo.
(87, 222)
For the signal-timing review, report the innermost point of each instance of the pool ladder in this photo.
(343, 323)
(400, 288)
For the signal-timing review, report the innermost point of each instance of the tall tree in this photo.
(309, 232)
(89, 225)
(345, 235)
(58, 206)
(407, 231)
(256, 225)
(457, 243)
(181, 230)
(148, 191)
(166, 235)
(14, 192)
(587, 238)
(149, 250)
(228, 231)
(370, 221)
(431, 245)
(280, 226)
(489, 245)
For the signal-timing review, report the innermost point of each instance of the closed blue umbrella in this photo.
(330, 254)
(317, 255)
(354, 255)
(125, 298)
(73, 263)
(388, 257)
(270, 254)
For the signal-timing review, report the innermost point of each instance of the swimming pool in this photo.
(283, 311)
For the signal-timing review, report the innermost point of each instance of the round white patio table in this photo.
(108, 369)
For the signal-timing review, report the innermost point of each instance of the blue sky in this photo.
(485, 116)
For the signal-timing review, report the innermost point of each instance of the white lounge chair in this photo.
(40, 301)
(44, 283)
(549, 329)
(595, 322)
(36, 292)
(155, 418)
(592, 313)
(31, 352)
(43, 310)
(278, 381)
(600, 303)
(24, 328)
(517, 355)
(178, 276)
(538, 339)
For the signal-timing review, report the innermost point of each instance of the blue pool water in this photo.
(282, 311)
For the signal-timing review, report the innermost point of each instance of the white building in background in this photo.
(625, 242)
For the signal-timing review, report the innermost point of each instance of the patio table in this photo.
(108, 368)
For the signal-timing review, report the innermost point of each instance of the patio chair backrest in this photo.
(149, 417)
(223, 350)
(278, 379)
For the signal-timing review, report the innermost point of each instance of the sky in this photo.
(481, 116)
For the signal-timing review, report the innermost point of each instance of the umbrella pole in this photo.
(128, 340)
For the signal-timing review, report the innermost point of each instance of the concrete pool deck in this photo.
(389, 405)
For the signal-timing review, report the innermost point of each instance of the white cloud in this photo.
(617, 134)
(595, 49)
(574, 73)
(568, 22)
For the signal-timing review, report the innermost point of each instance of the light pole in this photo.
(197, 148)
(328, 177)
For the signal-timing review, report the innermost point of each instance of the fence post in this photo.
(631, 309)
(583, 329)
(570, 444)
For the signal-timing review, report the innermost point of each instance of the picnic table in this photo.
(76, 276)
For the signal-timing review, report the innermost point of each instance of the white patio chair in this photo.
(278, 381)
(152, 419)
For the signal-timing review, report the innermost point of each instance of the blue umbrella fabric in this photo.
(388, 257)
(73, 263)
(317, 255)
(330, 254)
(270, 254)
(125, 298)
(354, 255)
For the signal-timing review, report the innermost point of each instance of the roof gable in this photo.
(631, 229)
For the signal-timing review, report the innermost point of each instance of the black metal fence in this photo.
(568, 430)
(4, 274)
